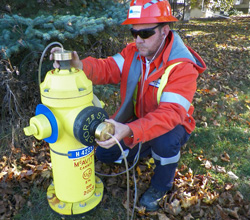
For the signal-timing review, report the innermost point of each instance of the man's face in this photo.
(149, 46)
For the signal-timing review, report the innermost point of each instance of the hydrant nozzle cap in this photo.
(39, 127)
(62, 56)
(30, 130)
(104, 130)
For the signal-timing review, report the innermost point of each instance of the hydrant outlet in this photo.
(104, 130)
(39, 127)
(86, 123)
(30, 130)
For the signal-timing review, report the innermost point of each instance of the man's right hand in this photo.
(75, 62)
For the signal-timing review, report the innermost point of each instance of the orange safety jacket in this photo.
(173, 108)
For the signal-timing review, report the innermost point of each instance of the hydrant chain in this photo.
(61, 154)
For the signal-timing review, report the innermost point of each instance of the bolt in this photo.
(82, 204)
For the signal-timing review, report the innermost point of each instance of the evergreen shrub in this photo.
(92, 28)
(18, 33)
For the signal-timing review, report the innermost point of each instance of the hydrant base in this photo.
(69, 208)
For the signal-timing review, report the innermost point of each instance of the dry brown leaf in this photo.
(200, 157)
(232, 175)
(225, 157)
(221, 212)
(174, 207)
(190, 151)
(220, 169)
(46, 174)
(225, 199)
(20, 201)
(111, 181)
(238, 197)
(228, 186)
(162, 217)
(216, 123)
(41, 167)
(138, 171)
(207, 164)
(140, 210)
(188, 217)
(233, 213)
(210, 197)
(189, 200)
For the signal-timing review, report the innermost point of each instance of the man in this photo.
(158, 76)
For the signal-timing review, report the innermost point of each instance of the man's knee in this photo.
(107, 155)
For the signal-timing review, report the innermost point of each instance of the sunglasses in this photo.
(144, 33)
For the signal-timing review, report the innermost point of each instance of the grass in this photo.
(210, 144)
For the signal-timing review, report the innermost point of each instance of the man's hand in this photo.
(75, 62)
(121, 131)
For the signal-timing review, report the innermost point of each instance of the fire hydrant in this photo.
(69, 119)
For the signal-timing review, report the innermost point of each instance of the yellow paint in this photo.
(75, 187)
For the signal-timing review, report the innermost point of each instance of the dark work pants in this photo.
(165, 150)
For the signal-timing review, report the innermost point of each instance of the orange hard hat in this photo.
(149, 11)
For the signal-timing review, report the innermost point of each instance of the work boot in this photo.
(150, 199)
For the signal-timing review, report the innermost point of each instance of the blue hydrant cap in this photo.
(42, 109)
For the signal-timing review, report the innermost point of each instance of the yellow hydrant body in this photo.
(62, 121)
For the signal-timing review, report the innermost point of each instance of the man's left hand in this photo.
(121, 131)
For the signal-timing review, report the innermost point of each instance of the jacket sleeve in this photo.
(101, 71)
(168, 114)
(106, 71)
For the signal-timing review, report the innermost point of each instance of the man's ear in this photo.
(165, 30)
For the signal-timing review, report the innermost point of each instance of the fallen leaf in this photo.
(232, 175)
(225, 157)
(162, 217)
(46, 174)
(188, 201)
(188, 217)
(220, 169)
(233, 213)
(138, 170)
(210, 197)
(228, 186)
(238, 197)
(174, 207)
(223, 215)
(207, 164)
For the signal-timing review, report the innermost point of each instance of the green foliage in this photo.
(18, 33)
(199, 4)
(215, 5)
(222, 5)
(31, 8)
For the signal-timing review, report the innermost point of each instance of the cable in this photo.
(134, 163)
(127, 172)
(41, 59)
(135, 194)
